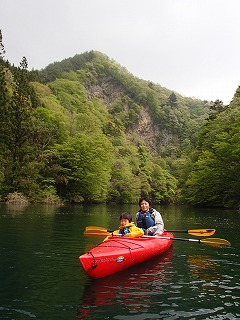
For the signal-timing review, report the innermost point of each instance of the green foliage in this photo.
(16, 125)
(83, 166)
(125, 186)
(215, 108)
(71, 94)
(163, 185)
(56, 69)
(49, 128)
(214, 179)
(126, 112)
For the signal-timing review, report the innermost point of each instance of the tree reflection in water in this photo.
(204, 269)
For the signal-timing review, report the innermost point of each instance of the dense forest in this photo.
(86, 130)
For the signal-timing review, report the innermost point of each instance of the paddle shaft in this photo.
(215, 242)
(170, 238)
(193, 231)
(182, 239)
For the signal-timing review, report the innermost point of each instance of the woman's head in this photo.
(145, 204)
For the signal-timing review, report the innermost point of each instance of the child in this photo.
(127, 227)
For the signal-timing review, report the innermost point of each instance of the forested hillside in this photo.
(215, 164)
(86, 130)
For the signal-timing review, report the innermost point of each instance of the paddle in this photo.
(197, 232)
(215, 242)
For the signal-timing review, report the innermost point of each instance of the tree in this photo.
(3, 86)
(172, 100)
(216, 108)
(16, 125)
(24, 64)
(81, 168)
(2, 50)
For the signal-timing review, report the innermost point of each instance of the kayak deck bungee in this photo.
(119, 253)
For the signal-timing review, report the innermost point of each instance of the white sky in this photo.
(188, 46)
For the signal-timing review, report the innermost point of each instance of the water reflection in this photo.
(14, 209)
(133, 289)
(202, 267)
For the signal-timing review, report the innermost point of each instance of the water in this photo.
(41, 278)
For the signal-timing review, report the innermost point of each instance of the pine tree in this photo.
(2, 50)
(216, 108)
(172, 100)
(16, 126)
(3, 87)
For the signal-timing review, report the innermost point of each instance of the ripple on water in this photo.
(10, 313)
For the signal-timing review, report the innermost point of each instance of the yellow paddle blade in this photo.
(202, 232)
(92, 228)
(96, 233)
(216, 242)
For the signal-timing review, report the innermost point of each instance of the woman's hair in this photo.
(126, 215)
(145, 199)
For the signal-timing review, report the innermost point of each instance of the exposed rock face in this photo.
(153, 136)
(147, 131)
(107, 92)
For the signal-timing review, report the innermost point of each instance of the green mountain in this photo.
(93, 132)
(162, 119)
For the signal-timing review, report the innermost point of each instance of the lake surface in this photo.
(41, 278)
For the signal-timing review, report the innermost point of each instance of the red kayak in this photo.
(119, 253)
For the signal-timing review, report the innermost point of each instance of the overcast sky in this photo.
(189, 46)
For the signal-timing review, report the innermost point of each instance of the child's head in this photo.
(125, 218)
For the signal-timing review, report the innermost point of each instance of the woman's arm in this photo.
(159, 224)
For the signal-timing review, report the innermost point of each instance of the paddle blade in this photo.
(97, 229)
(96, 233)
(202, 232)
(92, 228)
(216, 242)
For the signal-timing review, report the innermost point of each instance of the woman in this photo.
(149, 219)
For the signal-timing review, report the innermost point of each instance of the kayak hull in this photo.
(119, 253)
